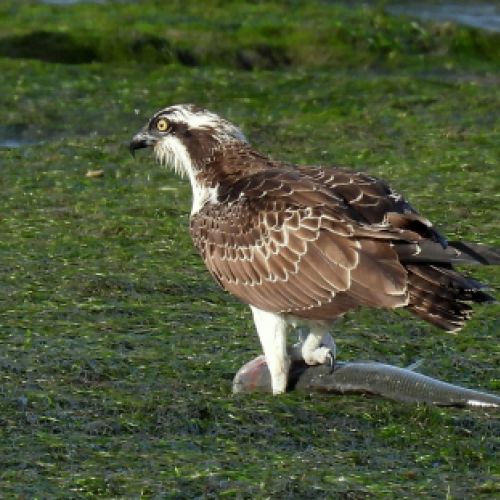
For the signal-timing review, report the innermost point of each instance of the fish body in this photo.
(367, 377)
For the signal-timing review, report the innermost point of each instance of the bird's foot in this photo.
(321, 356)
(325, 354)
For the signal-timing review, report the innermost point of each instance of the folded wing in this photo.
(282, 242)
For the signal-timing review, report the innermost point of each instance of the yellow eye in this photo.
(162, 125)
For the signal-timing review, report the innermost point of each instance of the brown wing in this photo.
(373, 200)
(284, 243)
(437, 293)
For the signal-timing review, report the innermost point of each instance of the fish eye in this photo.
(162, 125)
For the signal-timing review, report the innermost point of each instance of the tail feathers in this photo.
(442, 296)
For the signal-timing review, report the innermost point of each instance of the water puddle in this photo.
(17, 136)
(484, 16)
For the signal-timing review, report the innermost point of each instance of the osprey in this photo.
(302, 245)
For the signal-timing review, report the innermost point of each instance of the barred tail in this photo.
(442, 296)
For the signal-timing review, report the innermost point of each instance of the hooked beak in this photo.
(142, 139)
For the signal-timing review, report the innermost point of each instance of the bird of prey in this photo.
(302, 245)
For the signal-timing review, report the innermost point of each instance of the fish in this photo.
(364, 377)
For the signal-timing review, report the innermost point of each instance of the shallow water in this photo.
(11, 143)
(484, 16)
(16, 136)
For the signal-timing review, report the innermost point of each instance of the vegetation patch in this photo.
(118, 349)
(262, 35)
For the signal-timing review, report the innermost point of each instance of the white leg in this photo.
(272, 328)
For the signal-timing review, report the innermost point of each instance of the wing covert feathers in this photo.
(316, 243)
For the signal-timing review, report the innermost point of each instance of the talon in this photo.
(330, 361)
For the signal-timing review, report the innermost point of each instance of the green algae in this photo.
(242, 35)
(118, 350)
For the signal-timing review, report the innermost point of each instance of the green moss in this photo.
(265, 35)
(118, 350)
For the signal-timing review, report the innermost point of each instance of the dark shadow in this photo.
(151, 49)
(62, 48)
(262, 56)
(47, 46)
(58, 47)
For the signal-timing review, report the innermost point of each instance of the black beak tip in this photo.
(139, 142)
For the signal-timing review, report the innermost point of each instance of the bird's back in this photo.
(316, 242)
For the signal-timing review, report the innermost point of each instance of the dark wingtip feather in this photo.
(483, 254)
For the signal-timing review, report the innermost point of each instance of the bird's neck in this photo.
(223, 168)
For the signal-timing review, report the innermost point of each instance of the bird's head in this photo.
(186, 137)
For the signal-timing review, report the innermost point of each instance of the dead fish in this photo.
(368, 377)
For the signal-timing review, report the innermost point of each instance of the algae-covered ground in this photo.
(117, 349)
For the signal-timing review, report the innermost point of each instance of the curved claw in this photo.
(330, 361)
